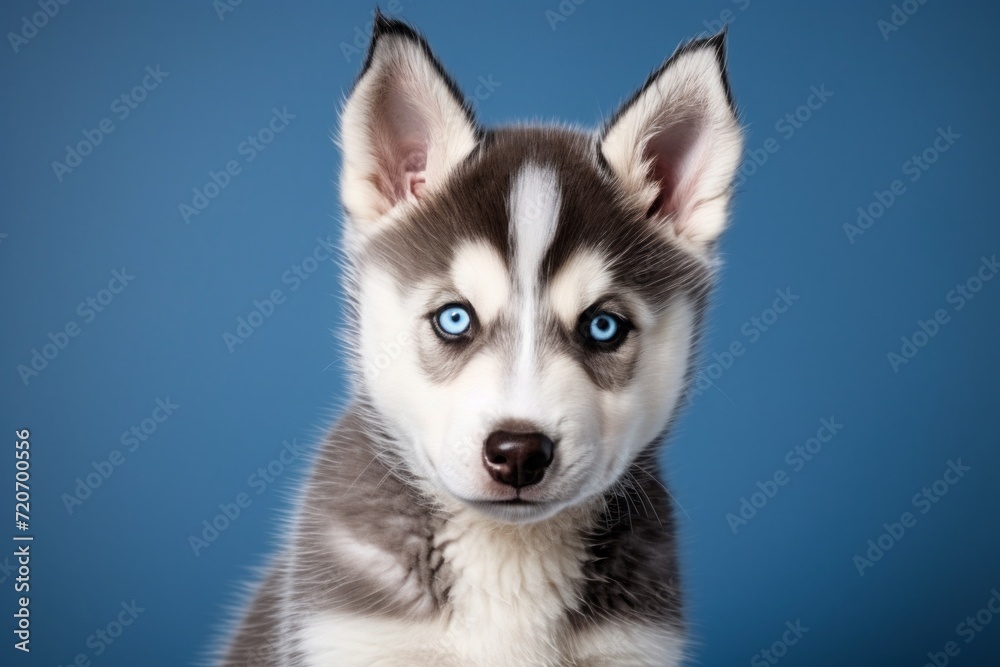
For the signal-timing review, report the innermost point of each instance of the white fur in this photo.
(688, 97)
(534, 207)
(580, 283)
(400, 110)
(514, 585)
(382, 567)
(446, 423)
(478, 272)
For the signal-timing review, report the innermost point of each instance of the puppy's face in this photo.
(527, 299)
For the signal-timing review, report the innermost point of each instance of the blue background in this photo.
(162, 337)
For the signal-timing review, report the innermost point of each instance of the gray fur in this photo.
(631, 572)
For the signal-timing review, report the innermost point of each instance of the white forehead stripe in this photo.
(534, 210)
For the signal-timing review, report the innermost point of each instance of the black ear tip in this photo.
(382, 23)
(716, 42)
(384, 26)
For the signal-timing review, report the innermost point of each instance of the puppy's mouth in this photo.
(508, 502)
(514, 510)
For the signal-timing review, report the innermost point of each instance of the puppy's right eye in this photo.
(603, 331)
(453, 321)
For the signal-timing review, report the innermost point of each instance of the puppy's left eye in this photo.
(603, 330)
(452, 321)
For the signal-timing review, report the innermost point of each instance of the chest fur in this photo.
(510, 591)
(511, 581)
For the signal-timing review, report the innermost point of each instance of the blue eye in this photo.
(453, 320)
(604, 327)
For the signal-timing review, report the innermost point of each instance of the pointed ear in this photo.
(404, 126)
(676, 145)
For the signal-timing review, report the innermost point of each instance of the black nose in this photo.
(517, 459)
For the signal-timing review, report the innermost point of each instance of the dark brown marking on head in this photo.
(595, 215)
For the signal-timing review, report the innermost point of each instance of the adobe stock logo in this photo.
(251, 147)
(388, 352)
(294, 277)
(796, 459)
(258, 482)
(968, 629)
(30, 25)
(363, 34)
(105, 636)
(122, 106)
(726, 17)
(779, 649)
(87, 310)
(923, 501)
(959, 296)
(131, 441)
(752, 329)
(562, 12)
(914, 168)
(898, 17)
(223, 7)
(786, 126)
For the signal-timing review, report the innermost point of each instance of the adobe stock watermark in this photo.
(293, 277)
(779, 649)
(786, 126)
(223, 7)
(484, 89)
(87, 311)
(362, 35)
(105, 636)
(131, 440)
(795, 460)
(968, 629)
(923, 502)
(752, 330)
(7, 570)
(32, 23)
(389, 352)
(914, 169)
(726, 17)
(248, 149)
(561, 12)
(121, 108)
(258, 482)
(898, 16)
(958, 297)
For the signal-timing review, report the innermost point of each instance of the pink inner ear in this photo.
(414, 170)
(402, 169)
(417, 186)
(400, 137)
(674, 165)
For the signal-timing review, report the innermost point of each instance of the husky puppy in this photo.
(524, 304)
